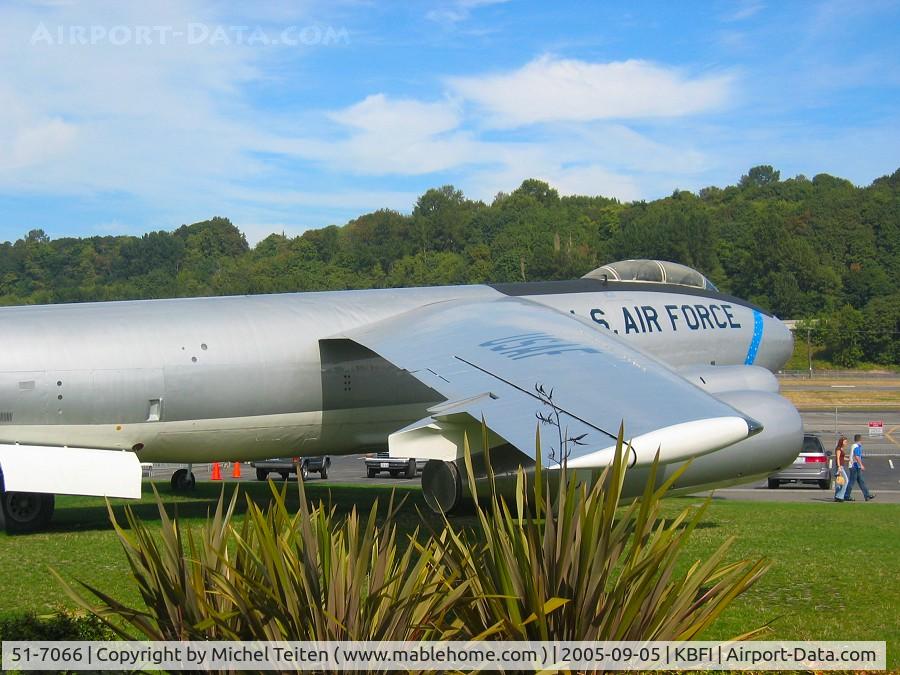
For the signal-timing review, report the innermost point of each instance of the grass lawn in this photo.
(835, 567)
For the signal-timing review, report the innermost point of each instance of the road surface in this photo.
(882, 474)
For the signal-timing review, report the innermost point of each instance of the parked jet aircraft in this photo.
(88, 391)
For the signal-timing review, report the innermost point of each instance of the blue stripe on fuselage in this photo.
(757, 338)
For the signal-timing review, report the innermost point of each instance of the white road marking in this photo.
(843, 386)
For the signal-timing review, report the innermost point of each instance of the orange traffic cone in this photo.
(216, 472)
(236, 470)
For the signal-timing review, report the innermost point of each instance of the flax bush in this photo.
(579, 567)
(561, 560)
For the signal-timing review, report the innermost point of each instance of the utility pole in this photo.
(809, 349)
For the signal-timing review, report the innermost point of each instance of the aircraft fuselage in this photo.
(202, 379)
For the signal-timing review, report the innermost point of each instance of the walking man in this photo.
(856, 470)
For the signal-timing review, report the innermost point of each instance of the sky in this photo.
(125, 117)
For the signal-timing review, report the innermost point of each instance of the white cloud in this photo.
(383, 136)
(380, 135)
(163, 121)
(744, 10)
(354, 199)
(28, 138)
(550, 89)
(460, 10)
(169, 126)
(404, 117)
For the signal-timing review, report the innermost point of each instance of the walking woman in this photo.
(840, 473)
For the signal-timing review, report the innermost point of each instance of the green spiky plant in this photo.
(313, 576)
(570, 564)
(278, 575)
(562, 562)
(176, 572)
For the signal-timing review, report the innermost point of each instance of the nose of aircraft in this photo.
(776, 345)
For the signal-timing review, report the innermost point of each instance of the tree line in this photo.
(819, 249)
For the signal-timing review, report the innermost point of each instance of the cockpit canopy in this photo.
(656, 271)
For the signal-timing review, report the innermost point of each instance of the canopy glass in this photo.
(656, 271)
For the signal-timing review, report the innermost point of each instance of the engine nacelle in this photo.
(446, 488)
(718, 379)
(775, 448)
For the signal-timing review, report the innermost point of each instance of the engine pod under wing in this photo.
(491, 360)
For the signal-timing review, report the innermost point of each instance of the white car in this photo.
(408, 467)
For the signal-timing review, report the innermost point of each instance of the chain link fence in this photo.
(880, 430)
(838, 375)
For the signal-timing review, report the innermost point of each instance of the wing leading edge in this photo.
(516, 363)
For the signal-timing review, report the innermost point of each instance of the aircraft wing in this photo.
(518, 364)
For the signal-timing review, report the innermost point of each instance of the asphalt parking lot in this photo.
(882, 477)
(344, 469)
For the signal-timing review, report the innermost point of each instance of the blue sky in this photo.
(120, 118)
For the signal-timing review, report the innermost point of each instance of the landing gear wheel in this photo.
(774, 484)
(27, 511)
(441, 486)
(183, 481)
(411, 468)
(261, 474)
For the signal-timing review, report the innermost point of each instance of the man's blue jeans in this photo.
(856, 476)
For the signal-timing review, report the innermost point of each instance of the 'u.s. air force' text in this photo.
(649, 319)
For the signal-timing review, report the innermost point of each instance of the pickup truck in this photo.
(285, 466)
(377, 462)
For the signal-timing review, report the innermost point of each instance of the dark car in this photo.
(285, 466)
(381, 461)
(813, 465)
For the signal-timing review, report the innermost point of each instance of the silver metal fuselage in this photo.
(202, 379)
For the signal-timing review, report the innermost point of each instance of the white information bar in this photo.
(349, 655)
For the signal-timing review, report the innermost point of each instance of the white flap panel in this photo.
(70, 471)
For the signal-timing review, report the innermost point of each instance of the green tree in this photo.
(844, 336)
(760, 176)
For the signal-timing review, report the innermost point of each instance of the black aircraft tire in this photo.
(27, 511)
(441, 486)
(183, 481)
